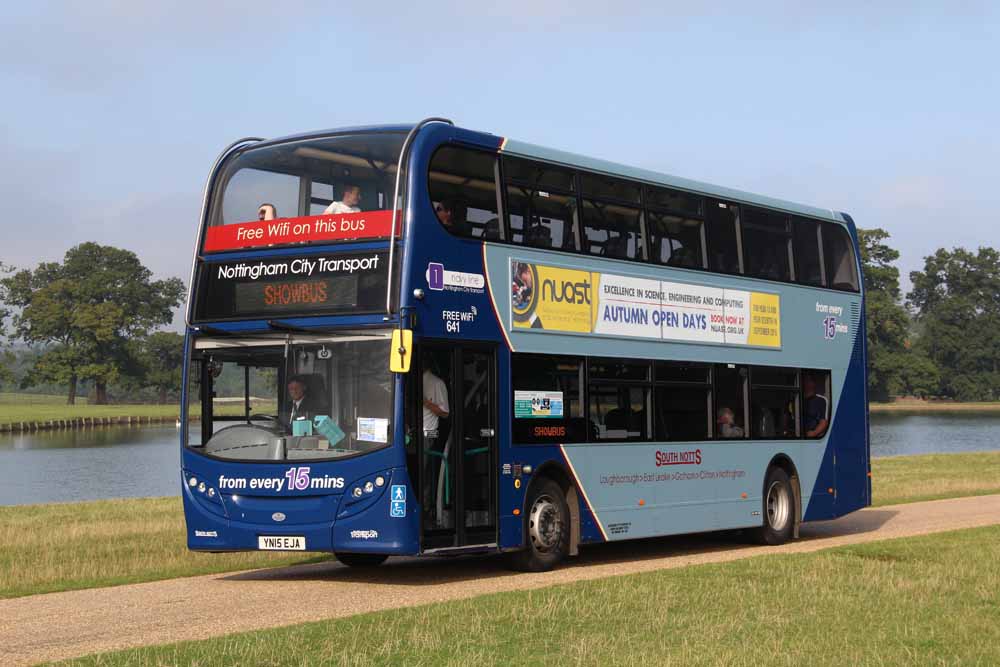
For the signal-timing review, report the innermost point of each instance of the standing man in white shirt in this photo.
(435, 409)
(348, 203)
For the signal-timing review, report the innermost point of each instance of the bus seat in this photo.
(538, 235)
(616, 247)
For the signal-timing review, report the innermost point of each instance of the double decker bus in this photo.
(427, 340)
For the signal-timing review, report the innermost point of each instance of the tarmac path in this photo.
(63, 625)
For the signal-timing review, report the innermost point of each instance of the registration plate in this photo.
(281, 542)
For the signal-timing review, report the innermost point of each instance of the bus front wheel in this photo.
(546, 527)
(779, 509)
(361, 560)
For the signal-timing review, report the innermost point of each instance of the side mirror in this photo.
(401, 351)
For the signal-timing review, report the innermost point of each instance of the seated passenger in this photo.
(349, 200)
(727, 424)
(815, 409)
(266, 212)
(452, 214)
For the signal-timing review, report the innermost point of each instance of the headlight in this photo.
(380, 481)
(369, 487)
(193, 482)
(357, 492)
(201, 487)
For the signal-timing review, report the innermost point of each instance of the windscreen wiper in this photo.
(291, 328)
(215, 331)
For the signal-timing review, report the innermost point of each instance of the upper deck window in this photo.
(808, 263)
(767, 244)
(542, 204)
(721, 221)
(327, 190)
(841, 269)
(463, 191)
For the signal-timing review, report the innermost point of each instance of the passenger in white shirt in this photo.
(435, 409)
(348, 203)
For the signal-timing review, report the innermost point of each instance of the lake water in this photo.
(126, 462)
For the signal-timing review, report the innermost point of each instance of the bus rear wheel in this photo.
(361, 560)
(546, 527)
(779, 509)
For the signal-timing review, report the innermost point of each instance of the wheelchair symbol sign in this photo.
(398, 509)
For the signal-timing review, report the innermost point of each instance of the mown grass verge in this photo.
(45, 548)
(907, 479)
(925, 600)
(16, 408)
(68, 546)
(933, 407)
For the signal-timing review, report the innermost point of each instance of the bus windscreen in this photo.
(314, 191)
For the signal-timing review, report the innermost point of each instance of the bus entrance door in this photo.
(458, 445)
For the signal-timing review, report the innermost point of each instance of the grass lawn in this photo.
(56, 547)
(927, 600)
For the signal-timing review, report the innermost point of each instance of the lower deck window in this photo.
(633, 400)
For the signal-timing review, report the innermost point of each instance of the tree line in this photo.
(93, 319)
(943, 340)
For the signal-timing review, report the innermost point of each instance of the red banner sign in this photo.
(307, 229)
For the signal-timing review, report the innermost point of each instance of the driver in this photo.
(301, 404)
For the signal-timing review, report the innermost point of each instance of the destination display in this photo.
(550, 298)
(305, 229)
(306, 285)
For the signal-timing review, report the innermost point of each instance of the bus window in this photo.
(541, 203)
(462, 187)
(675, 241)
(683, 404)
(539, 174)
(720, 232)
(815, 403)
(681, 203)
(548, 401)
(611, 230)
(730, 401)
(248, 189)
(767, 244)
(841, 272)
(542, 219)
(619, 394)
(611, 217)
(806, 240)
(340, 175)
(774, 402)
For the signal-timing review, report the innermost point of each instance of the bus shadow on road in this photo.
(432, 571)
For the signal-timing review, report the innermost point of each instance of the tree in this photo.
(957, 301)
(887, 321)
(6, 356)
(161, 356)
(85, 310)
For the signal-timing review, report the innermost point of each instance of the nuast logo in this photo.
(566, 291)
(688, 458)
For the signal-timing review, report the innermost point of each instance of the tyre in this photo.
(361, 560)
(546, 528)
(779, 509)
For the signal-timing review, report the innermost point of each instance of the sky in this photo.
(115, 111)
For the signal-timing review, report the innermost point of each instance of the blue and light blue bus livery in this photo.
(410, 340)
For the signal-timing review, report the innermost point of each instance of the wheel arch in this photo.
(784, 461)
(558, 474)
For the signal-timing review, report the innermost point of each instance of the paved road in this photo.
(64, 625)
